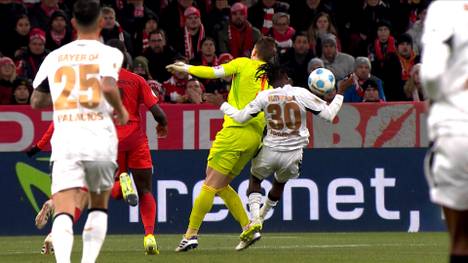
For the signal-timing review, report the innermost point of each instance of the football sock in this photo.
(234, 204)
(458, 258)
(62, 232)
(255, 199)
(148, 212)
(202, 205)
(77, 215)
(94, 233)
(267, 206)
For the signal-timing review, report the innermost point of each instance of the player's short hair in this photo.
(266, 49)
(86, 12)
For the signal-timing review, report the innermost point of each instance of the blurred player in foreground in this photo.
(234, 145)
(285, 110)
(134, 155)
(444, 73)
(80, 81)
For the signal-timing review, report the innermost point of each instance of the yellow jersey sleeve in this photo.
(220, 71)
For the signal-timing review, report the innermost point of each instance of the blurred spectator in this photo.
(112, 29)
(367, 19)
(140, 67)
(371, 91)
(302, 10)
(239, 36)
(176, 86)
(297, 58)
(7, 76)
(189, 42)
(406, 56)
(281, 32)
(217, 18)
(320, 27)
(413, 88)
(383, 45)
(416, 30)
(339, 63)
(261, 14)
(29, 60)
(9, 12)
(356, 80)
(159, 55)
(173, 20)
(141, 38)
(133, 16)
(313, 64)
(40, 13)
(21, 92)
(60, 32)
(17, 38)
(405, 13)
(194, 92)
(207, 54)
(395, 68)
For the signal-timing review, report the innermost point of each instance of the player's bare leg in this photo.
(458, 231)
(144, 183)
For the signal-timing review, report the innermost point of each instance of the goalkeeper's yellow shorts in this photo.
(232, 148)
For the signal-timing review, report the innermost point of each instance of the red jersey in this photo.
(134, 91)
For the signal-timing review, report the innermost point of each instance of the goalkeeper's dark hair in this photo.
(86, 12)
(273, 72)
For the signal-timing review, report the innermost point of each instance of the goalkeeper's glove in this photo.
(178, 67)
(33, 151)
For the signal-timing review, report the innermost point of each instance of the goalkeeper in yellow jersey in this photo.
(234, 145)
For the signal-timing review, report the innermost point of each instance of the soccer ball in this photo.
(321, 81)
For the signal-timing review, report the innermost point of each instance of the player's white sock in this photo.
(255, 199)
(62, 231)
(266, 207)
(94, 233)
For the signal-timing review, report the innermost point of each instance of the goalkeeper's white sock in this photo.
(62, 232)
(94, 233)
(255, 199)
(267, 206)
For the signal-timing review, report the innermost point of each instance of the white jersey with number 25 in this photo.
(84, 129)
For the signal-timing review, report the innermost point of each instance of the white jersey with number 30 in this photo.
(286, 115)
(84, 129)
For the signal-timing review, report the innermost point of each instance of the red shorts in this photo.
(134, 151)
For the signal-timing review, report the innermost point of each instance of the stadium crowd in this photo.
(372, 45)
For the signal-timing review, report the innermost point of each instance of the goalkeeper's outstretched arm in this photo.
(202, 71)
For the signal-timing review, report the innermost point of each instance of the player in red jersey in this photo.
(134, 154)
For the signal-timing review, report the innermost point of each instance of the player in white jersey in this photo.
(79, 80)
(444, 73)
(285, 109)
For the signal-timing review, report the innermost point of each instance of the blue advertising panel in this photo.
(339, 190)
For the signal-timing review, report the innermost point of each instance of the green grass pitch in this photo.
(360, 247)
